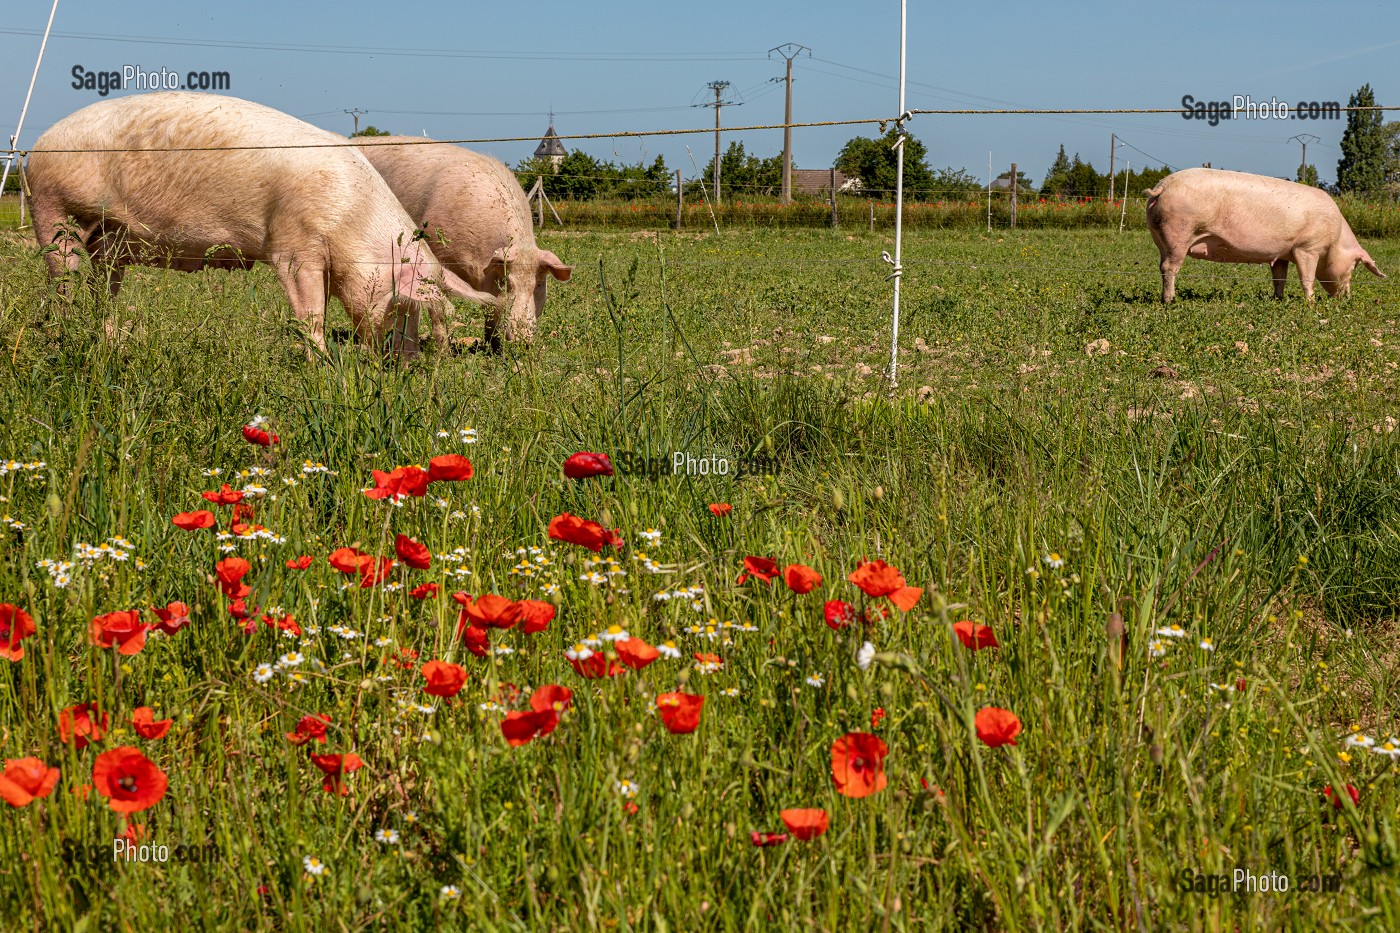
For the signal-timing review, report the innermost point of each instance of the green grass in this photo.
(1249, 492)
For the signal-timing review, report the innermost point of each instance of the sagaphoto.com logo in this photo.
(1244, 107)
(134, 77)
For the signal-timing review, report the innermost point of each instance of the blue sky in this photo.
(472, 70)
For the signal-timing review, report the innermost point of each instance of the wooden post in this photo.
(21, 198)
(1012, 189)
(680, 199)
(872, 215)
(1112, 151)
(835, 221)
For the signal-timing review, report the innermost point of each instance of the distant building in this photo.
(550, 147)
(816, 182)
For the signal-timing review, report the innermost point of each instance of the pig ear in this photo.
(455, 285)
(1370, 263)
(555, 265)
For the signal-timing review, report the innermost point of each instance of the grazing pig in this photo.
(252, 184)
(478, 220)
(1236, 217)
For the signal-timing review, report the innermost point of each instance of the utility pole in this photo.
(718, 87)
(1304, 139)
(357, 113)
(1112, 151)
(789, 51)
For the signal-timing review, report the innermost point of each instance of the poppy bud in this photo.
(879, 493)
(605, 518)
(55, 504)
(838, 501)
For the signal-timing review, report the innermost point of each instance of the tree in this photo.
(581, 177)
(1307, 175)
(1361, 170)
(1059, 169)
(747, 174)
(1392, 159)
(371, 130)
(952, 183)
(1023, 181)
(874, 162)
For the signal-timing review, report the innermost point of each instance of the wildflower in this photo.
(412, 553)
(300, 563)
(15, 626)
(520, 727)
(1054, 561)
(335, 767)
(425, 591)
(587, 534)
(805, 825)
(865, 656)
(25, 780)
(585, 465)
(313, 865)
(721, 509)
(291, 659)
(680, 712)
(263, 673)
(444, 679)
(475, 637)
(81, 724)
(449, 468)
(815, 680)
(974, 635)
(310, 729)
(801, 579)
(636, 653)
(1390, 748)
(627, 787)
(224, 496)
(650, 536)
(535, 614)
(764, 568)
(708, 663)
(838, 614)
(193, 521)
(386, 836)
(1206, 644)
(450, 892)
(1357, 740)
(858, 764)
(488, 611)
(125, 630)
(763, 840)
(128, 779)
(147, 726)
(669, 649)
(551, 696)
(1172, 631)
(398, 483)
(997, 727)
(253, 433)
(1156, 648)
(729, 692)
(877, 578)
(1337, 799)
(615, 633)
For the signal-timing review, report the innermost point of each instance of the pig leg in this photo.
(1171, 264)
(1279, 268)
(58, 236)
(305, 285)
(1307, 271)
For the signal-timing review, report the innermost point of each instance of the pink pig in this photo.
(1236, 217)
(478, 221)
(253, 184)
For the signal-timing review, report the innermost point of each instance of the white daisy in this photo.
(865, 656)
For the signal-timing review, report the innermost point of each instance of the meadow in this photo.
(1180, 526)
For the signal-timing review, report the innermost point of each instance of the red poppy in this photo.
(425, 591)
(412, 553)
(335, 767)
(635, 653)
(877, 578)
(256, 435)
(1240, 684)
(15, 626)
(806, 825)
(838, 614)
(301, 563)
(763, 840)
(576, 530)
(584, 465)
(680, 712)
(129, 780)
(193, 521)
(309, 729)
(444, 679)
(764, 568)
(975, 635)
(475, 637)
(595, 666)
(143, 720)
(996, 726)
(26, 780)
(225, 496)
(721, 509)
(401, 481)
(283, 622)
(407, 659)
(134, 832)
(709, 660)
(350, 560)
(520, 727)
(1338, 800)
(449, 468)
(536, 614)
(801, 579)
(877, 716)
(551, 696)
(858, 764)
(492, 611)
(81, 724)
(377, 572)
(231, 571)
(173, 617)
(123, 629)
